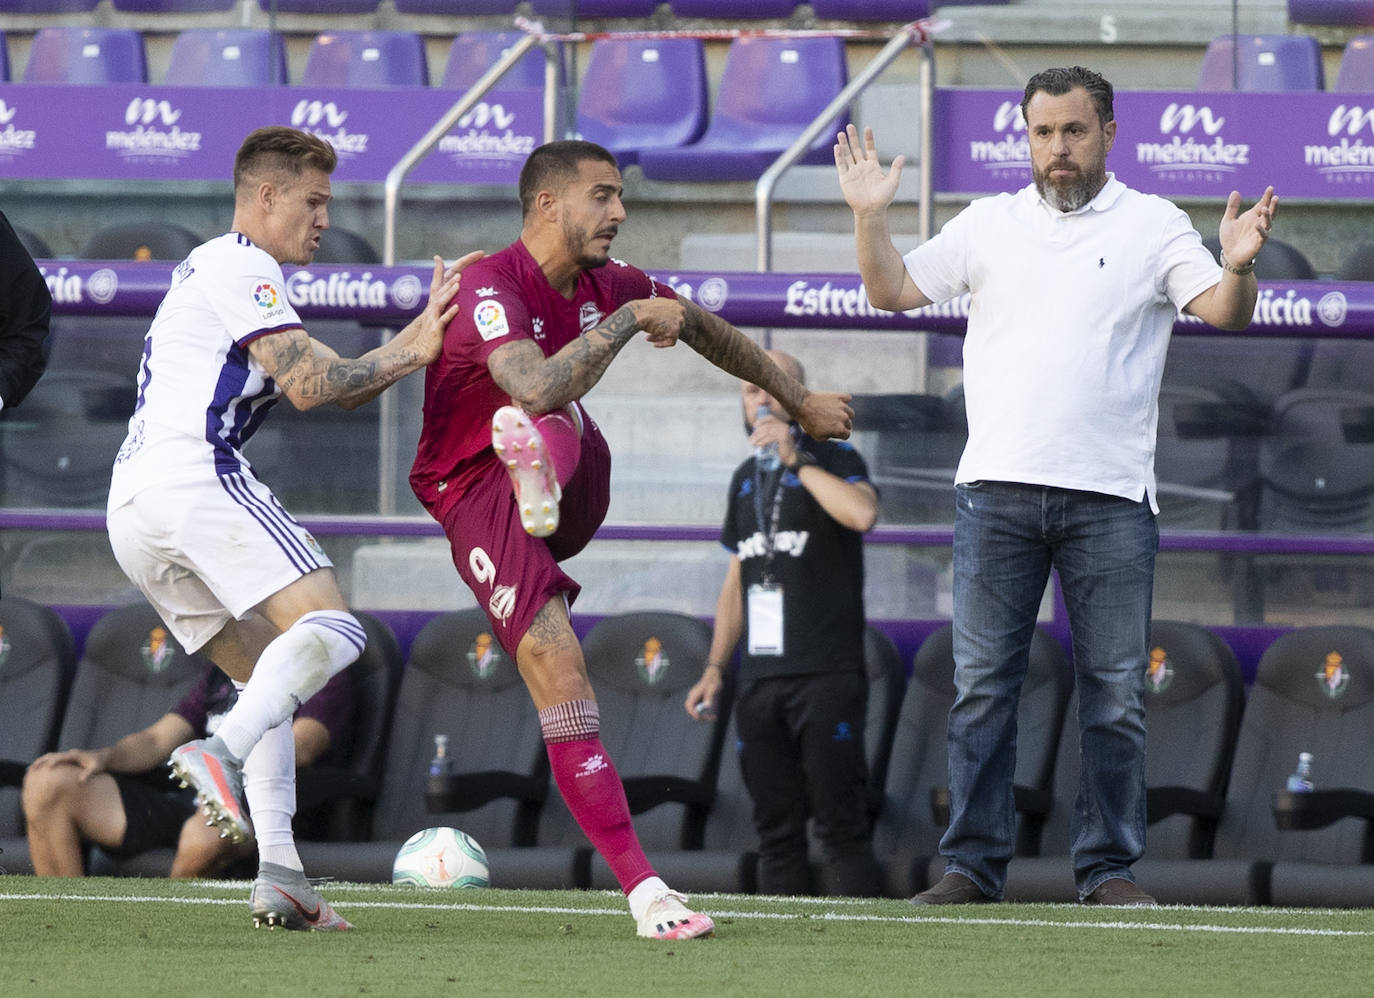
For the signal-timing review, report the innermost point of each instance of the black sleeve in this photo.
(841, 459)
(25, 310)
(730, 532)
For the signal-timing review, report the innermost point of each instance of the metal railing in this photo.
(766, 187)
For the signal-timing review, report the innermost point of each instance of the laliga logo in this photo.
(1350, 119)
(487, 114)
(1008, 117)
(146, 111)
(1185, 117)
(309, 113)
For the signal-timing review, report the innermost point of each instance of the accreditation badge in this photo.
(765, 619)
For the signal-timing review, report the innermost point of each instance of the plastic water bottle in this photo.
(441, 765)
(765, 455)
(1301, 780)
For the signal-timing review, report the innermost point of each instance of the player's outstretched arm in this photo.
(541, 384)
(310, 374)
(821, 414)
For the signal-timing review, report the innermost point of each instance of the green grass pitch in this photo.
(149, 937)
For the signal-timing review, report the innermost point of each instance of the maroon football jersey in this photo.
(503, 297)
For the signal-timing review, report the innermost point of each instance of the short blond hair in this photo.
(278, 149)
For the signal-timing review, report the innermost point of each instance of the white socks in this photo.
(292, 669)
(269, 783)
(642, 893)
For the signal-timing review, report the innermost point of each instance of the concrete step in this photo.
(619, 576)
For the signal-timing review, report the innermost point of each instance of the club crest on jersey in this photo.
(483, 656)
(158, 651)
(1160, 673)
(269, 302)
(490, 319)
(651, 662)
(588, 316)
(1333, 677)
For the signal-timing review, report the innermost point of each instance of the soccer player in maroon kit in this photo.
(537, 325)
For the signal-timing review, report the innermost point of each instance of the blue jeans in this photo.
(1007, 537)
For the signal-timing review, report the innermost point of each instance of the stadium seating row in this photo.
(257, 57)
(1347, 13)
(846, 10)
(1220, 832)
(644, 99)
(1284, 63)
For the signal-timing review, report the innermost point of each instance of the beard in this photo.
(1073, 193)
(578, 242)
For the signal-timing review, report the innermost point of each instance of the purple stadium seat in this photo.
(458, 7)
(732, 9)
(1262, 63)
(1356, 74)
(642, 94)
(86, 55)
(246, 57)
(173, 6)
(474, 52)
(1350, 12)
(320, 6)
(871, 10)
(48, 6)
(366, 59)
(770, 90)
(595, 8)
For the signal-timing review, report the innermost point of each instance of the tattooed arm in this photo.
(821, 414)
(311, 374)
(541, 384)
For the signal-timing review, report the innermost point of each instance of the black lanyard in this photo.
(770, 526)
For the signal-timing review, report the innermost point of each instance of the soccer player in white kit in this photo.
(230, 572)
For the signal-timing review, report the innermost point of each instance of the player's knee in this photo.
(46, 790)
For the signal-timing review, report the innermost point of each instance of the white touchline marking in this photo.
(774, 916)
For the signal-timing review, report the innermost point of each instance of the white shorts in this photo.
(204, 553)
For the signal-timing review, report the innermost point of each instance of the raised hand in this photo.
(1242, 235)
(866, 188)
(441, 307)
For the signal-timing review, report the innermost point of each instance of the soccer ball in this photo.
(440, 857)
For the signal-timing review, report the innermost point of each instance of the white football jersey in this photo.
(200, 394)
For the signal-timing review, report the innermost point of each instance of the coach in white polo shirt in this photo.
(1076, 281)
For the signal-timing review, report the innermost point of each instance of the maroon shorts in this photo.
(511, 573)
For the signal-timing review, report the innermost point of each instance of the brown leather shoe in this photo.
(953, 888)
(1118, 892)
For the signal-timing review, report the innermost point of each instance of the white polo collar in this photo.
(1111, 192)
